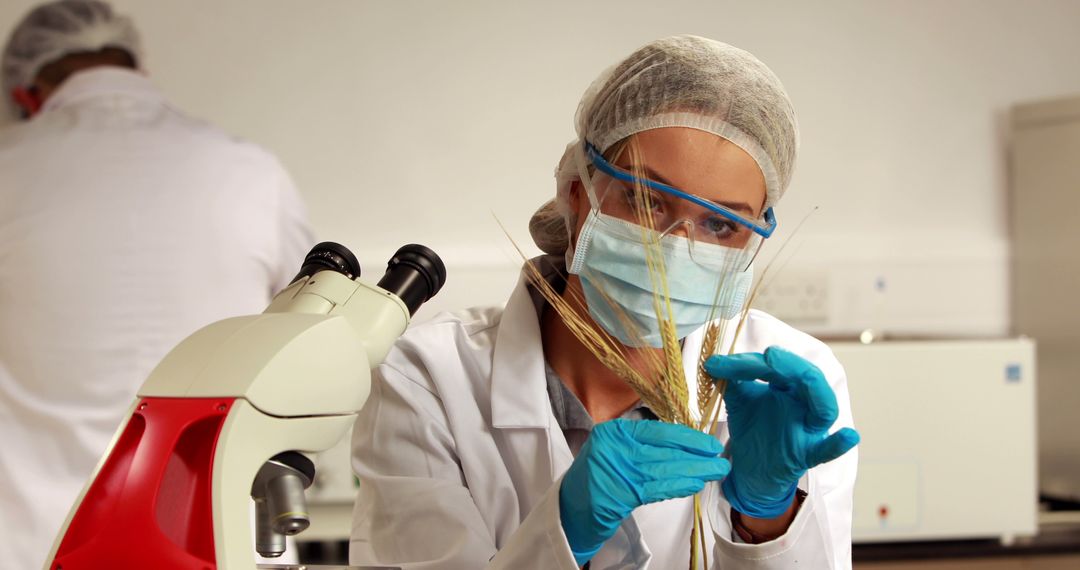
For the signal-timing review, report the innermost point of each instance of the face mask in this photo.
(610, 257)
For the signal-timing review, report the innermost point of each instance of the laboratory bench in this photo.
(1057, 549)
(1054, 548)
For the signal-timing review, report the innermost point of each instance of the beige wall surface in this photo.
(419, 120)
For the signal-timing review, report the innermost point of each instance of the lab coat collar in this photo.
(518, 386)
(102, 81)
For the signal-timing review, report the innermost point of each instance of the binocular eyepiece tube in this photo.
(332, 256)
(414, 273)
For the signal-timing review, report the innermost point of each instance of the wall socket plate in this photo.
(797, 297)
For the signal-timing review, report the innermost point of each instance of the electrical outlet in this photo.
(796, 297)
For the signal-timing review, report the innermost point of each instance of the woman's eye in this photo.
(720, 226)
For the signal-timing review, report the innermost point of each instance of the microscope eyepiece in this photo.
(332, 256)
(415, 274)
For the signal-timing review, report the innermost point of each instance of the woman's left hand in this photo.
(779, 429)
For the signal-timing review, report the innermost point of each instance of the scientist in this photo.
(124, 227)
(493, 438)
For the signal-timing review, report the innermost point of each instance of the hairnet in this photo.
(680, 81)
(51, 31)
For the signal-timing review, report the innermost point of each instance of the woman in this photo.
(494, 438)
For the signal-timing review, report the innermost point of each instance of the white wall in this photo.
(415, 121)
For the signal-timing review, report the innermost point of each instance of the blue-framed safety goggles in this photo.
(764, 228)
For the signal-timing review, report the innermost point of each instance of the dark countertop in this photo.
(1048, 542)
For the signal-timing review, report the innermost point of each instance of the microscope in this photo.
(223, 419)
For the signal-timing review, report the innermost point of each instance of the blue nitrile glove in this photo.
(778, 430)
(628, 463)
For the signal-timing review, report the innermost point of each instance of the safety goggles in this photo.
(712, 235)
(670, 207)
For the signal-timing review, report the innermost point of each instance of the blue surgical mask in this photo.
(610, 259)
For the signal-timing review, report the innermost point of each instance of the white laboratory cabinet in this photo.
(948, 446)
(1044, 209)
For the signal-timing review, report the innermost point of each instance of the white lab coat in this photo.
(459, 458)
(124, 227)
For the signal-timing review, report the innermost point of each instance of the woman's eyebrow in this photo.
(654, 175)
(657, 177)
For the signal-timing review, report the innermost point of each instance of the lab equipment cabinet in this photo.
(1044, 211)
(948, 439)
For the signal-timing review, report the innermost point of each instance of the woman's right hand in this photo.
(628, 463)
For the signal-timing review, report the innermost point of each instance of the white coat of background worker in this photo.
(124, 227)
(493, 438)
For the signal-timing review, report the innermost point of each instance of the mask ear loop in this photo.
(575, 259)
(582, 164)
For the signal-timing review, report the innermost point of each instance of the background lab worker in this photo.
(124, 226)
(494, 438)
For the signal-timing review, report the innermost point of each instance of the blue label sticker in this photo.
(1013, 373)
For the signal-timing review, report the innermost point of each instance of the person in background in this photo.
(493, 438)
(125, 226)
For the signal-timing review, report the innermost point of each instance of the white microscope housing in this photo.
(173, 490)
